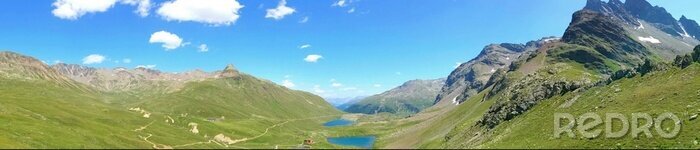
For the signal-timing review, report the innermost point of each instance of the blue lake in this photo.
(338, 122)
(354, 141)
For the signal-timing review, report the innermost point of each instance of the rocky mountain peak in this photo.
(230, 71)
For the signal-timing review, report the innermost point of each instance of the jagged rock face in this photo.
(470, 77)
(613, 7)
(632, 12)
(409, 98)
(598, 31)
(690, 26)
(654, 14)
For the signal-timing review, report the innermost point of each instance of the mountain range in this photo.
(140, 108)
(613, 57)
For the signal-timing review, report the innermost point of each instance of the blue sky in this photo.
(376, 46)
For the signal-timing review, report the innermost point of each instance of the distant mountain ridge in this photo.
(409, 98)
(73, 106)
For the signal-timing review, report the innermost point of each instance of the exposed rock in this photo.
(230, 72)
(606, 36)
(470, 77)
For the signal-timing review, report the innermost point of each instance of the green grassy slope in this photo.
(49, 111)
(673, 91)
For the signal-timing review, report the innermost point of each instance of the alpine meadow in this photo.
(349, 74)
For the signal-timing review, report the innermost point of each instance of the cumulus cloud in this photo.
(352, 10)
(312, 58)
(280, 11)
(304, 46)
(74, 9)
(340, 3)
(170, 41)
(214, 12)
(146, 66)
(203, 48)
(143, 6)
(93, 59)
(377, 85)
(126, 60)
(336, 84)
(288, 83)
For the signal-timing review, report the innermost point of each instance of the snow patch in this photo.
(649, 39)
(685, 33)
(551, 39)
(454, 100)
(641, 26)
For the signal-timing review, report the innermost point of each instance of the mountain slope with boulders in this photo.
(409, 98)
(72, 106)
(600, 47)
(614, 57)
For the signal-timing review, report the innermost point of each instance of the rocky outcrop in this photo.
(470, 77)
(524, 94)
(606, 36)
(229, 72)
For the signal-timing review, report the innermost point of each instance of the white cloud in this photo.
(279, 12)
(57, 61)
(74, 9)
(304, 46)
(352, 10)
(170, 41)
(377, 85)
(398, 73)
(203, 48)
(93, 59)
(143, 6)
(304, 20)
(340, 3)
(126, 60)
(288, 83)
(146, 66)
(336, 84)
(312, 58)
(214, 12)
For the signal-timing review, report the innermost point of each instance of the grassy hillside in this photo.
(675, 91)
(407, 99)
(47, 110)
